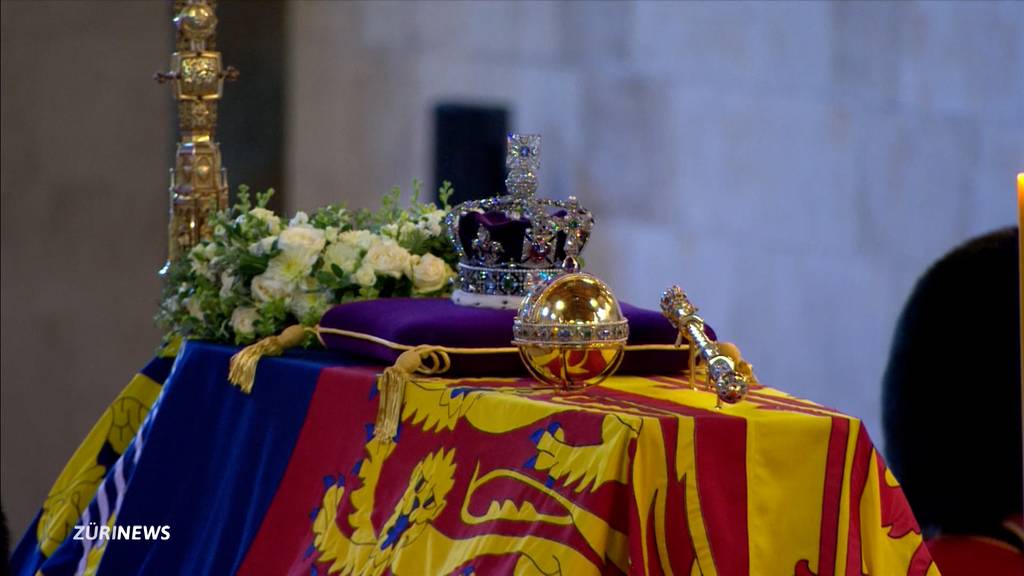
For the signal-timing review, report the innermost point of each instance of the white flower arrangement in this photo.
(259, 274)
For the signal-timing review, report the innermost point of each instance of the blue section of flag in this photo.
(212, 463)
(208, 468)
(27, 559)
(158, 369)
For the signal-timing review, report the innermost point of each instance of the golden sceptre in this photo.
(729, 381)
(199, 184)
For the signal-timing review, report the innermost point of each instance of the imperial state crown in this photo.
(509, 242)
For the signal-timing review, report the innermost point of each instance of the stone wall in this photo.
(87, 142)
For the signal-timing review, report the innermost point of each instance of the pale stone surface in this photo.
(631, 148)
(962, 57)
(86, 148)
(755, 170)
(914, 178)
(468, 28)
(597, 33)
(1000, 158)
(866, 76)
(768, 47)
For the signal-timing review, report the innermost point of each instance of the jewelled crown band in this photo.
(502, 282)
(507, 242)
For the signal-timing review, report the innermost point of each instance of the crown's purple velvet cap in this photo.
(440, 322)
(506, 231)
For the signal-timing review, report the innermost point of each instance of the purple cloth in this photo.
(503, 230)
(440, 322)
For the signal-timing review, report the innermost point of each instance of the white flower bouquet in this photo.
(258, 273)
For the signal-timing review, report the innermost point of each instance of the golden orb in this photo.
(570, 331)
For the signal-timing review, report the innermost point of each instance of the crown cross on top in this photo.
(522, 159)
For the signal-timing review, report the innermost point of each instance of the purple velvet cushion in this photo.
(440, 322)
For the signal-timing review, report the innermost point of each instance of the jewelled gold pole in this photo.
(729, 382)
(199, 185)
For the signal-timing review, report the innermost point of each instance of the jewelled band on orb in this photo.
(588, 336)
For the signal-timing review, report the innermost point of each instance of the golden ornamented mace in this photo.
(199, 184)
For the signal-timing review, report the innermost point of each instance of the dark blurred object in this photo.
(952, 394)
(251, 35)
(469, 150)
(5, 542)
(970, 555)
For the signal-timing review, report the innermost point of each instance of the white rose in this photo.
(300, 219)
(243, 320)
(267, 216)
(200, 267)
(300, 247)
(388, 259)
(192, 305)
(302, 241)
(200, 258)
(227, 282)
(408, 232)
(345, 256)
(365, 276)
(309, 302)
(267, 287)
(331, 233)
(263, 246)
(390, 230)
(430, 274)
(361, 239)
(172, 304)
(431, 222)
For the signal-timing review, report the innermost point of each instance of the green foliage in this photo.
(259, 274)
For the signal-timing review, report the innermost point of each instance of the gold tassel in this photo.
(243, 364)
(391, 389)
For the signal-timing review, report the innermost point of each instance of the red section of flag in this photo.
(858, 481)
(281, 545)
(678, 538)
(834, 465)
(720, 446)
(896, 515)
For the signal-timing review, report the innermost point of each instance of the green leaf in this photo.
(444, 193)
(262, 198)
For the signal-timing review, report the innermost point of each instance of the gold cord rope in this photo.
(320, 330)
(423, 359)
